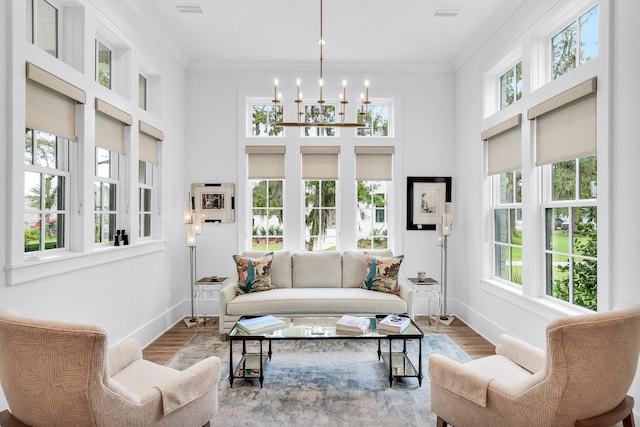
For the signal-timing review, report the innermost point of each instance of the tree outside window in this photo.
(372, 221)
(511, 86)
(320, 215)
(103, 65)
(575, 44)
(45, 189)
(264, 118)
(572, 233)
(267, 215)
(507, 220)
(319, 114)
(376, 119)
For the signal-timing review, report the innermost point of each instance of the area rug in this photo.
(321, 383)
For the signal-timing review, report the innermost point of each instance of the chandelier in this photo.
(323, 122)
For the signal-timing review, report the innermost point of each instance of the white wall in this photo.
(140, 295)
(490, 312)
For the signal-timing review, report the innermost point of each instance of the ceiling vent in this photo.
(447, 12)
(188, 8)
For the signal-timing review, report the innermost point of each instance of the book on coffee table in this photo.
(394, 323)
(352, 324)
(258, 325)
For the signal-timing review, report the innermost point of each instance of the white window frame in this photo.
(492, 81)
(116, 177)
(151, 172)
(322, 209)
(388, 102)
(252, 102)
(373, 210)
(268, 237)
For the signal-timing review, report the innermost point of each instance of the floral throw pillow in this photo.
(253, 273)
(382, 274)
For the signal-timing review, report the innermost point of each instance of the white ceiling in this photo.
(356, 31)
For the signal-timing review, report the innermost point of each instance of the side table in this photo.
(433, 289)
(205, 289)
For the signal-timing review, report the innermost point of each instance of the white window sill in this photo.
(544, 307)
(64, 262)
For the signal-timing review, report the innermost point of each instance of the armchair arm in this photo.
(459, 379)
(190, 384)
(122, 355)
(529, 357)
(226, 294)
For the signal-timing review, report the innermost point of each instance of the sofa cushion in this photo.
(317, 269)
(382, 274)
(280, 266)
(253, 273)
(320, 301)
(354, 265)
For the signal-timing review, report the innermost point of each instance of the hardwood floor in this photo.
(161, 350)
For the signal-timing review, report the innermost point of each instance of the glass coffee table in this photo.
(398, 362)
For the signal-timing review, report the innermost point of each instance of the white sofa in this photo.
(314, 284)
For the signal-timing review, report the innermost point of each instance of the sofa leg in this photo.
(442, 423)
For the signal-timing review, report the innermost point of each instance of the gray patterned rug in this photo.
(321, 383)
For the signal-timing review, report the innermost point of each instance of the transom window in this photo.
(575, 44)
(320, 114)
(42, 25)
(103, 65)
(376, 119)
(142, 91)
(511, 86)
(46, 186)
(264, 118)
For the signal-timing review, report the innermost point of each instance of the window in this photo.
(267, 214)
(507, 225)
(105, 192)
(103, 65)
(511, 86)
(372, 221)
(571, 221)
(46, 188)
(145, 194)
(264, 118)
(575, 44)
(142, 91)
(320, 215)
(42, 25)
(319, 114)
(376, 118)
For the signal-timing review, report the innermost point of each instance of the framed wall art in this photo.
(426, 197)
(215, 202)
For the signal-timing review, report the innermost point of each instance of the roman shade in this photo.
(566, 124)
(51, 103)
(148, 142)
(504, 146)
(110, 122)
(265, 162)
(374, 163)
(320, 162)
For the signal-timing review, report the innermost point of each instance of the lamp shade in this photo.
(187, 213)
(191, 236)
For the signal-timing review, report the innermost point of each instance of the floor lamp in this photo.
(194, 226)
(443, 231)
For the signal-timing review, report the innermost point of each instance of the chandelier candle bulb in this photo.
(298, 89)
(366, 90)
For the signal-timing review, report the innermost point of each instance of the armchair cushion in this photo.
(459, 379)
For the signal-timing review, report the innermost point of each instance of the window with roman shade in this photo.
(266, 173)
(320, 162)
(504, 146)
(374, 173)
(566, 124)
(566, 152)
(51, 103)
(504, 142)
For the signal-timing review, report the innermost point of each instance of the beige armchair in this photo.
(585, 372)
(62, 374)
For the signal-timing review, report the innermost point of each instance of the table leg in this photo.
(230, 363)
(390, 363)
(262, 367)
(420, 363)
(379, 350)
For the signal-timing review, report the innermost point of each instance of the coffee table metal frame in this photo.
(252, 364)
